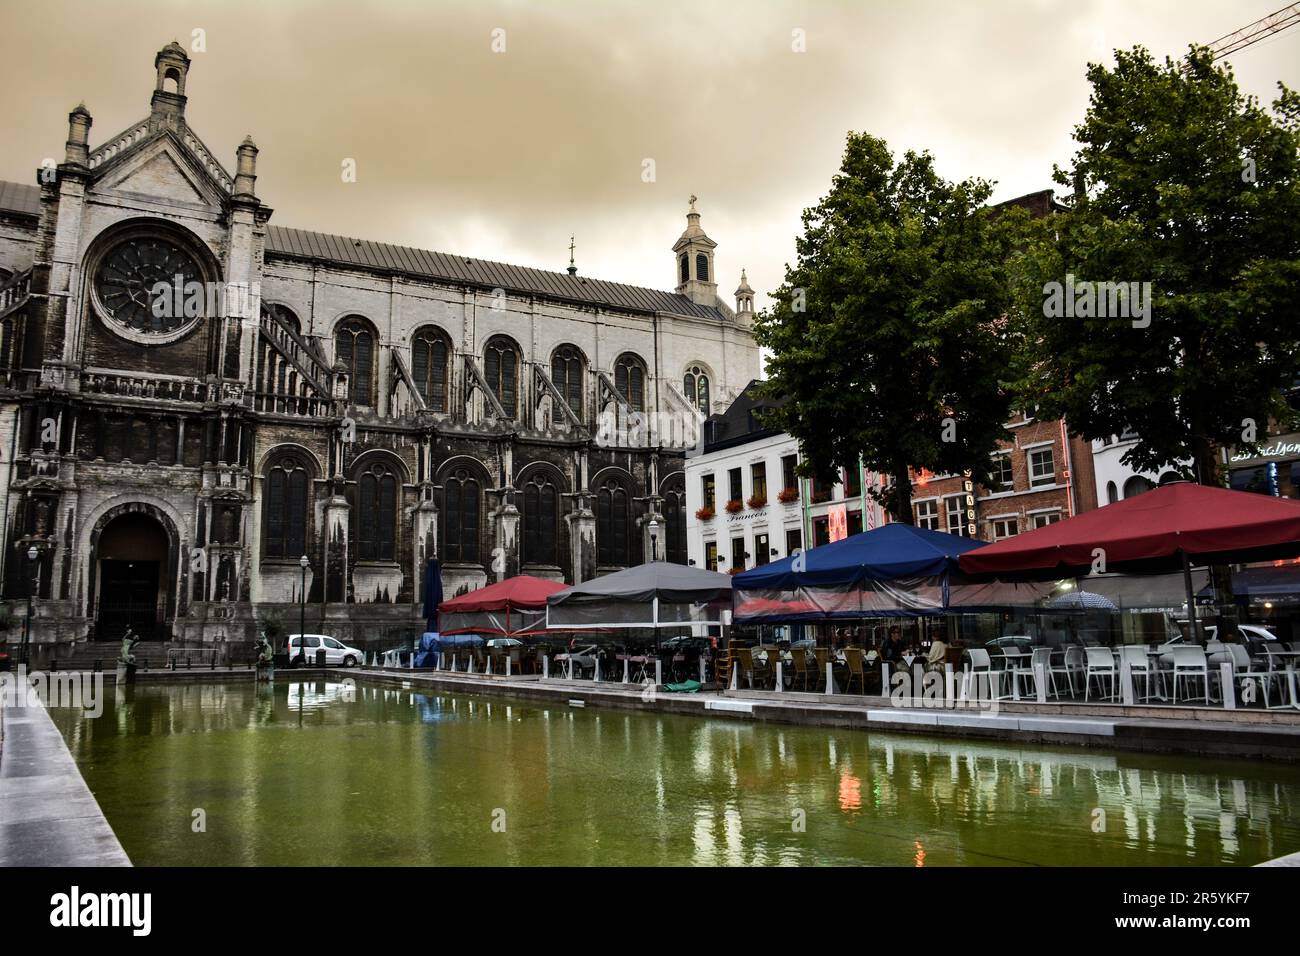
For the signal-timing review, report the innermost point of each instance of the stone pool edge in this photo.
(48, 814)
(1167, 735)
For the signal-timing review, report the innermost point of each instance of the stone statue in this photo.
(265, 658)
(129, 640)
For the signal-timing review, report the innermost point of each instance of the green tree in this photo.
(888, 337)
(1182, 182)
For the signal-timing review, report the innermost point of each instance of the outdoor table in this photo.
(1012, 659)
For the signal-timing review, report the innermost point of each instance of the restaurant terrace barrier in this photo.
(1103, 676)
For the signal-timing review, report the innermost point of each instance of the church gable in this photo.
(160, 169)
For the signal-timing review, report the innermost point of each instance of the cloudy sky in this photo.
(463, 147)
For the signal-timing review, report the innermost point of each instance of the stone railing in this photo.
(168, 388)
(15, 291)
(209, 162)
(119, 144)
(137, 385)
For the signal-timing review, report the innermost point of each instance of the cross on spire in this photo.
(573, 269)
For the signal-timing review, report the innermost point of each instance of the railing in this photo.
(119, 144)
(15, 292)
(214, 168)
(292, 379)
(308, 406)
(138, 385)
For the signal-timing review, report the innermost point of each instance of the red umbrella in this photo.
(1151, 532)
(521, 591)
(1169, 527)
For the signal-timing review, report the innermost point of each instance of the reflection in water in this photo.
(396, 776)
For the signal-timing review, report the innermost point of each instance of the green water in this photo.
(320, 773)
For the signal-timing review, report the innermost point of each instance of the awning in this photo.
(1151, 532)
(658, 594)
(515, 607)
(890, 552)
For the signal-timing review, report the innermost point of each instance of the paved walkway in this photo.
(48, 816)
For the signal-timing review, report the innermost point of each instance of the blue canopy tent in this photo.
(896, 570)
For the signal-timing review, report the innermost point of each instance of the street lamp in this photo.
(32, 554)
(654, 538)
(302, 605)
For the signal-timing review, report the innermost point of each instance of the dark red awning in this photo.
(1150, 532)
(523, 591)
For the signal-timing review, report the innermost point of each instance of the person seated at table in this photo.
(938, 654)
(893, 649)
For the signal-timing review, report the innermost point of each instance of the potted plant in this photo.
(735, 506)
(787, 495)
(757, 501)
(704, 514)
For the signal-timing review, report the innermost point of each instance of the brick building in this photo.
(172, 457)
(1045, 475)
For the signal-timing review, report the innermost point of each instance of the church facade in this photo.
(208, 419)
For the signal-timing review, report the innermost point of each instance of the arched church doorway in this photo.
(131, 559)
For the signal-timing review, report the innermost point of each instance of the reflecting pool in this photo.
(336, 773)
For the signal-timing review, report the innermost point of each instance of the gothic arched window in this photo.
(376, 512)
(430, 367)
(541, 516)
(612, 541)
(702, 267)
(567, 366)
(675, 522)
(354, 346)
(501, 369)
(696, 386)
(629, 378)
(460, 512)
(284, 509)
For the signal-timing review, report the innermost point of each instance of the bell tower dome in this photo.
(694, 252)
(172, 64)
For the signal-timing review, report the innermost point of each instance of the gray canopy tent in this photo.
(655, 595)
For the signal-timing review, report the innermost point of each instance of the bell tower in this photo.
(172, 64)
(694, 252)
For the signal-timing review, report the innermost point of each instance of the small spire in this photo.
(573, 269)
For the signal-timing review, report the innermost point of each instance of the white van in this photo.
(337, 654)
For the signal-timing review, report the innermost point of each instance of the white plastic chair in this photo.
(1101, 664)
(1190, 665)
(1140, 666)
(980, 663)
(1242, 670)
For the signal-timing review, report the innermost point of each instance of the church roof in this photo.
(20, 198)
(421, 263)
(288, 243)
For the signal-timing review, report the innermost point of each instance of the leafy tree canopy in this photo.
(1182, 182)
(888, 335)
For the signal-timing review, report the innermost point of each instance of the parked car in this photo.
(337, 654)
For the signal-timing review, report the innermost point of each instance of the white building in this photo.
(745, 506)
(1116, 480)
